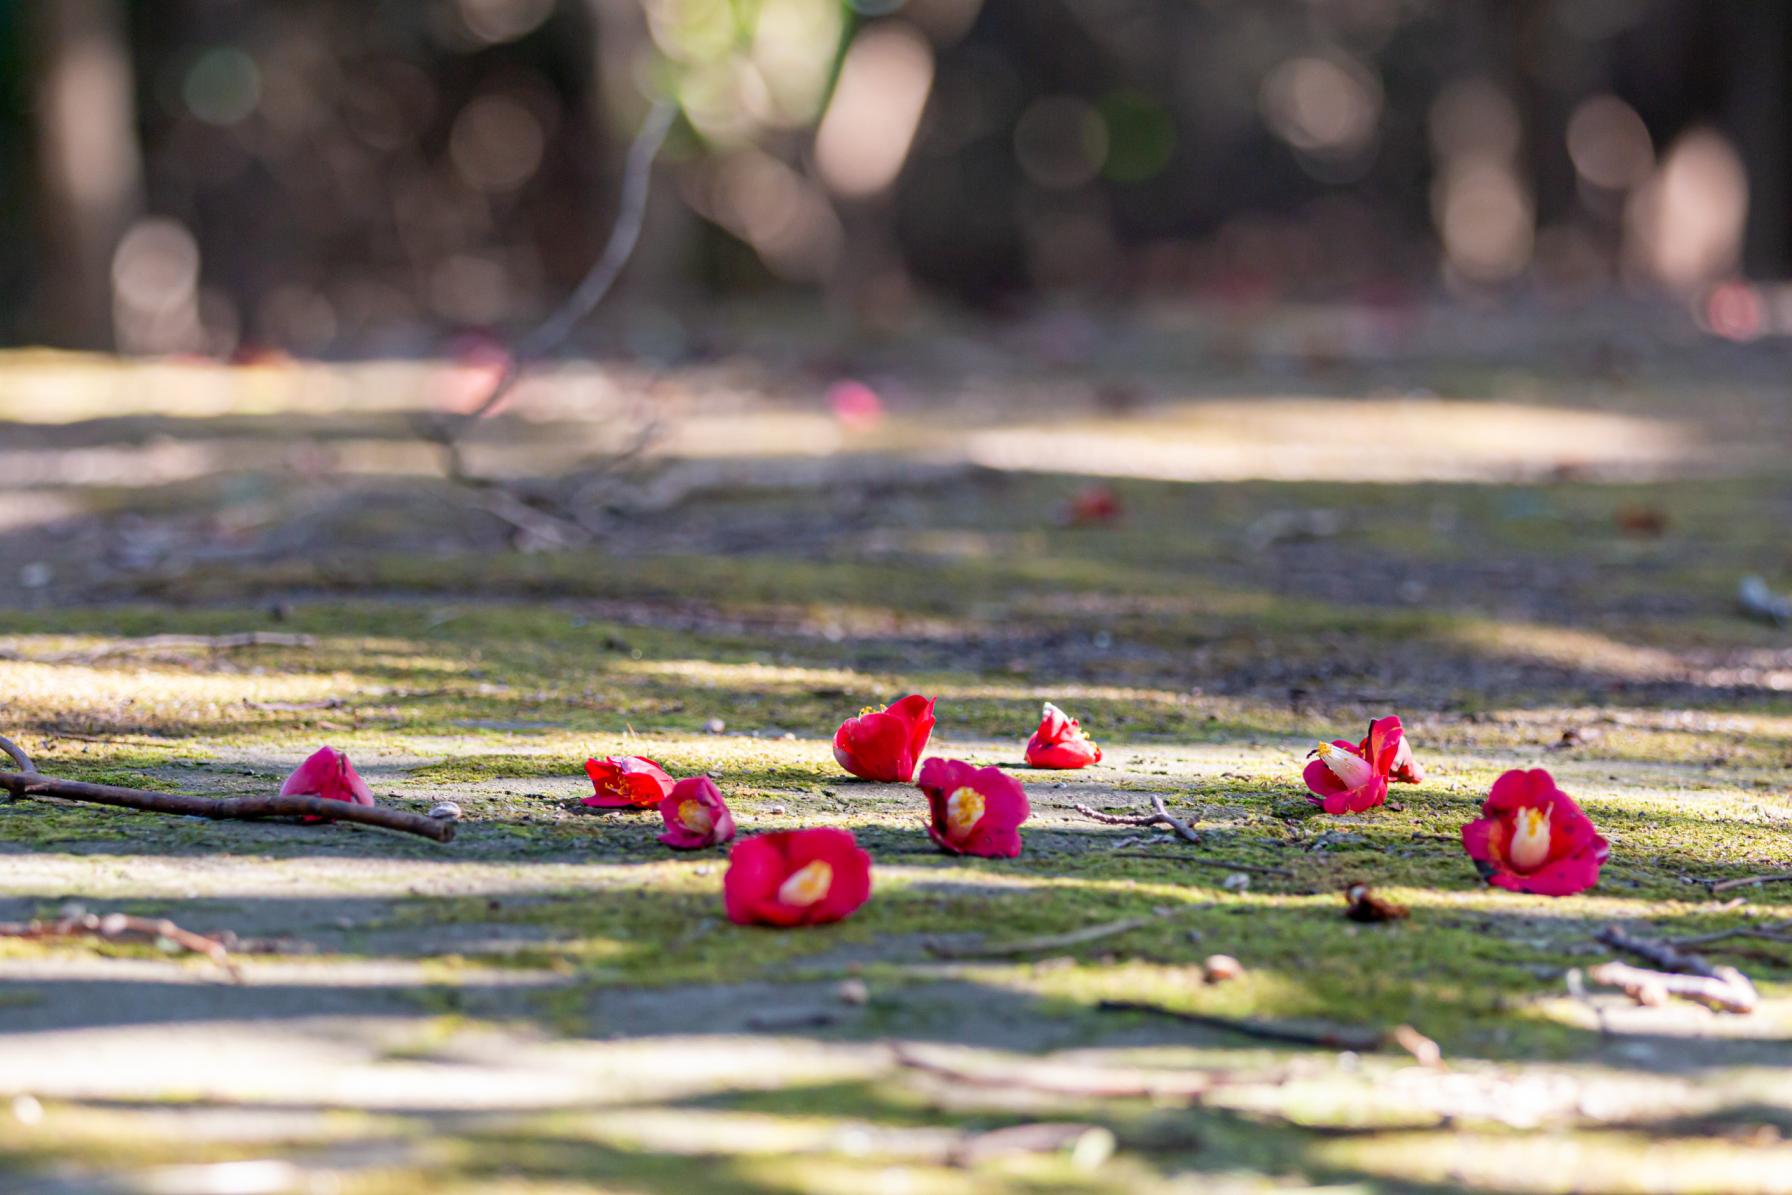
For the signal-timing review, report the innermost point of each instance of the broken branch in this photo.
(1058, 1079)
(118, 925)
(150, 644)
(29, 782)
(1330, 1037)
(1683, 974)
(1750, 881)
(1075, 937)
(1734, 994)
(1160, 818)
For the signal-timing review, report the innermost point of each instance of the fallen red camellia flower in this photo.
(1532, 837)
(886, 743)
(1352, 777)
(796, 877)
(625, 781)
(330, 775)
(695, 815)
(1093, 504)
(1060, 742)
(976, 811)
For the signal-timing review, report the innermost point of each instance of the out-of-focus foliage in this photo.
(336, 176)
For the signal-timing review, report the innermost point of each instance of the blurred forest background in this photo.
(347, 178)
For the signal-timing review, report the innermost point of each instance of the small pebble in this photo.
(853, 991)
(26, 1110)
(447, 811)
(36, 575)
(1218, 968)
(1238, 881)
(775, 809)
(714, 726)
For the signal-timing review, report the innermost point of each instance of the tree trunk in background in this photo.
(1757, 100)
(91, 168)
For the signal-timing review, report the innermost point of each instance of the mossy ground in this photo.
(555, 1002)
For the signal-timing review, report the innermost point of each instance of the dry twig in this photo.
(1160, 818)
(1065, 1080)
(1683, 974)
(1163, 817)
(1328, 1037)
(542, 527)
(150, 644)
(1733, 994)
(1749, 882)
(1777, 932)
(29, 782)
(1075, 937)
(118, 925)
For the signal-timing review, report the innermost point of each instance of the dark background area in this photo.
(350, 178)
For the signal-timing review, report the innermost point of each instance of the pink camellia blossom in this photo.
(625, 781)
(1532, 837)
(1352, 777)
(796, 877)
(855, 405)
(975, 811)
(695, 815)
(886, 743)
(327, 774)
(1060, 742)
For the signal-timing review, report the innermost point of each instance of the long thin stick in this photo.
(36, 784)
(1750, 881)
(1767, 933)
(29, 782)
(117, 925)
(1060, 1080)
(155, 643)
(1075, 937)
(1331, 1038)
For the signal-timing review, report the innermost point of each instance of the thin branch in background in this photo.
(1067, 1080)
(113, 926)
(1331, 1037)
(1750, 881)
(1075, 937)
(151, 644)
(552, 333)
(1777, 932)
(29, 782)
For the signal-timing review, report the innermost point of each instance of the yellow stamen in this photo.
(872, 709)
(964, 809)
(695, 817)
(807, 885)
(1529, 848)
(1351, 769)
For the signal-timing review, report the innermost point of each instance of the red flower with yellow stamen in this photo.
(796, 877)
(1532, 837)
(627, 781)
(976, 811)
(695, 815)
(886, 743)
(1060, 742)
(1351, 777)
